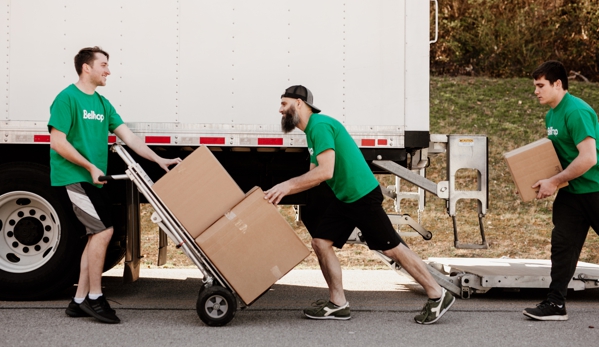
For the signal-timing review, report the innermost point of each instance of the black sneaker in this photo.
(100, 309)
(74, 310)
(547, 310)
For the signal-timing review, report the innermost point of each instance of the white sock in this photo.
(78, 300)
(94, 296)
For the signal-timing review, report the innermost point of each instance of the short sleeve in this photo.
(60, 116)
(323, 138)
(581, 124)
(114, 120)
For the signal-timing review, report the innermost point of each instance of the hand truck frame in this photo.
(217, 301)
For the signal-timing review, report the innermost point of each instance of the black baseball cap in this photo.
(302, 93)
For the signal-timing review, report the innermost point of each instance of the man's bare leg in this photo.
(96, 253)
(83, 283)
(412, 263)
(331, 269)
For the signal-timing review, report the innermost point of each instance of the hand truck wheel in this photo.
(216, 306)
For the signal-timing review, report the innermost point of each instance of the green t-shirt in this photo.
(352, 178)
(86, 120)
(572, 121)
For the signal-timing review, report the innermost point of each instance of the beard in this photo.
(290, 120)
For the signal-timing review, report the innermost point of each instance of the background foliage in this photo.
(499, 38)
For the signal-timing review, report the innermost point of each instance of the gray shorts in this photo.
(91, 205)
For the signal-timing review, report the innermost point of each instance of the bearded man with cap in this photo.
(336, 159)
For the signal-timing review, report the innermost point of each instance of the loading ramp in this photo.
(479, 275)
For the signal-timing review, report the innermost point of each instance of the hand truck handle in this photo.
(112, 178)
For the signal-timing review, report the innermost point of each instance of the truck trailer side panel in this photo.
(226, 63)
(192, 72)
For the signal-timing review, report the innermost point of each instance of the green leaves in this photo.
(501, 38)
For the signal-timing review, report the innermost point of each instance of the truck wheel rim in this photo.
(216, 306)
(29, 231)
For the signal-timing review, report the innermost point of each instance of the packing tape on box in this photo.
(276, 272)
(241, 226)
(236, 221)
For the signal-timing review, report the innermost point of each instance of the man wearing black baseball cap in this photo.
(336, 159)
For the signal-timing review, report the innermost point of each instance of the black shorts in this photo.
(367, 214)
(91, 206)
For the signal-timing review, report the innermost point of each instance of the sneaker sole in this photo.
(546, 318)
(327, 317)
(440, 314)
(94, 314)
(76, 314)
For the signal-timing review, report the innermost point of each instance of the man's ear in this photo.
(86, 68)
(558, 83)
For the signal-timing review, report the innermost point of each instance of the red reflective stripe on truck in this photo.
(212, 140)
(158, 139)
(41, 138)
(368, 142)
(270, 141)
(111, 139)
(382, 142)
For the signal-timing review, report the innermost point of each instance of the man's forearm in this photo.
(577, 168)
(308, 180)
(67, 151)
(137, 145)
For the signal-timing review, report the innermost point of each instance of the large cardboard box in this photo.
(531, 163)
(198, 191)
(252, 246)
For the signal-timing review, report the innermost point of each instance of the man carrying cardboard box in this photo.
(572, 127)
(336, 159)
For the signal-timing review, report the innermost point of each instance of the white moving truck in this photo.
(192, 72)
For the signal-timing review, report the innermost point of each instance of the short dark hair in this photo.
(87, 56)
(552, 70)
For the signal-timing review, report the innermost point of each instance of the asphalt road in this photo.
(159, 310)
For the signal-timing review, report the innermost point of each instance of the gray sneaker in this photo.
(323, 309)
(433, 310)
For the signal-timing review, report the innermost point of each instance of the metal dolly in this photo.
(217, 301)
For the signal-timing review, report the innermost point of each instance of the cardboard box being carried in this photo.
(531, 163)
(198, 191)
(252, 246)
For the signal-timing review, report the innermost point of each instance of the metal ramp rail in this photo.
(463, 152)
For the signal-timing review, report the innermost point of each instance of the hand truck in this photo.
(217, 301)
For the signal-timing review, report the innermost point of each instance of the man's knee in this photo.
(396, 251)
(104, 235)
(320, 245)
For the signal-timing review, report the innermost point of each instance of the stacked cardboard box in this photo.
(198, 191)
(531, 163)
(243, 235)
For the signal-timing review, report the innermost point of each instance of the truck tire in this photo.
(40, 245)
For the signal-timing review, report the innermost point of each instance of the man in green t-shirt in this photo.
(336, 159)
(80, 121)
(573, 129)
